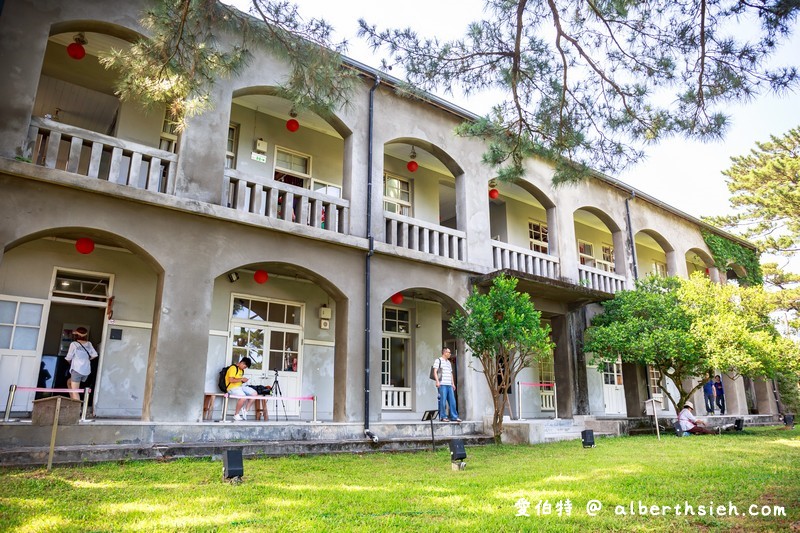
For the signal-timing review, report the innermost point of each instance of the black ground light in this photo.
(431, 415)
(232, 466)
(458, 454)
(587, 438)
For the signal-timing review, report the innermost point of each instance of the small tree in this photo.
(649, 326)
(506, 334)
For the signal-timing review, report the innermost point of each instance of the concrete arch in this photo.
(95, 26)
(604, 217)
(290, 270)
(440, 154)
(703, 255)
(656, 236)
(99, 236)
(537, 193)
(447, 302)
(280, 106)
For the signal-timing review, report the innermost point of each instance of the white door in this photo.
(21, 339)
(613, 389)
(275, 355)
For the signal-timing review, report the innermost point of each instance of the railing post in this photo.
(86, 392)
(11, 391)
(314, 418)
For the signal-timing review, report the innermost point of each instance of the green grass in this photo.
(420, 492)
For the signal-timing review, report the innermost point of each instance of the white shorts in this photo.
(244, 390)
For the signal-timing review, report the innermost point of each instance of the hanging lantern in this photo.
(84, 245)
(412, 165)
(76, 50)
(292, 125)
(260, 276)
(397, 298)
(493, 194)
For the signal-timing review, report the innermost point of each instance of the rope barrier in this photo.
(12, 390)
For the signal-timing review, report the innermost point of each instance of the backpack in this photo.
(221, 382)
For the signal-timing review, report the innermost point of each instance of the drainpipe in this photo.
(371, 243)
(630, 235)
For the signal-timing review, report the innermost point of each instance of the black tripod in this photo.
(276, 391)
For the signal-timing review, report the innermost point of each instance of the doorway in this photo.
(613, 389)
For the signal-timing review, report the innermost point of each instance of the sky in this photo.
(684, 174)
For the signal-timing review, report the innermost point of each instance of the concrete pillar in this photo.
(176, 369)
(23, 39)
(634, 379)
(735, 399)
(567, 245)
(472, 206)
(570, 364)
(354, 181)
(676, 264)
(765, 396)
(201, 160)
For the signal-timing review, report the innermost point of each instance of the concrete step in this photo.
(37, 456)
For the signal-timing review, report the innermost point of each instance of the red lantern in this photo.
(76, 51)
(84, 245)
(493, 194)
(412, 166)
(260, 276)
(292, 125)
(397, 298)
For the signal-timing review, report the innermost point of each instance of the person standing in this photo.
(446, 387)
(79, 356)
(235, 380)
(708, 394)
(720, 394)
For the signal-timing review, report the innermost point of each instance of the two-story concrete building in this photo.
(317, 251)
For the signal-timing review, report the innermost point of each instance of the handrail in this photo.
(600, 280)
(264, 196)
(425, 237)
(509, 256)
(52, 144)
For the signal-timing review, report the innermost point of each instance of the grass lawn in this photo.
(419, 491)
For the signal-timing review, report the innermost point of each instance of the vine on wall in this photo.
(725, 251)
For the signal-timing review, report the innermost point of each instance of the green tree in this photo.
(649, 326)
(185, 53)
(692, 328)
(505, 332)
(766, 200)
(582, 79)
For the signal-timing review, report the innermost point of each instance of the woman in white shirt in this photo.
(80, 354)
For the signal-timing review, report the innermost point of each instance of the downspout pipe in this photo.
(370, 252)
(630, 235)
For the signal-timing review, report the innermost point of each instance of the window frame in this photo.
(231, 157)
(407, 206)
(544, 243)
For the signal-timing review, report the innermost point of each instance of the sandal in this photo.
(444, 420)
(458, 420)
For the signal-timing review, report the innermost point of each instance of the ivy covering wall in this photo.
(725, 251)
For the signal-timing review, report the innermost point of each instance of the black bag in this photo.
(432, 373)
(221, 381)
(262, 390)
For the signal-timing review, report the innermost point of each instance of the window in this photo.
(293, 168)
(266, 311)
(326, 188)
(81, 286)
(232, 145)
(659, 269)
(396, 195)
(169, 134)
(537, 236)
(654, 377)
(607, 263)
(586, 253)
(395, 355)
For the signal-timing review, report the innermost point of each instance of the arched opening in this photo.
(699, 261)
(286, 164)
(49, 288)
(652, 252)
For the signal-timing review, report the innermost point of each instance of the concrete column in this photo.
(634, 379)
(176, 369)
(735, 399)
(570, 364)
(553, 232)
(566, 244)
(201, 159)
(623, 262)
(765, 396)
(23, 39)
(472, 206)
(354, 181)
(676, 264)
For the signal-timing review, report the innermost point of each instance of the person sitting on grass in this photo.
(691, 424)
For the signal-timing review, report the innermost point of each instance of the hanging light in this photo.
(292, 125)
(76, 49)
(412, 165)
(84, 245)
(260, 276)
(493, 194)
(397, 298)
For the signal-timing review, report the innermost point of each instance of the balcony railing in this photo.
(267, 197)
(396, 398)
(600, 280)
(420, 236)
(507, 256)
(52, 144)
